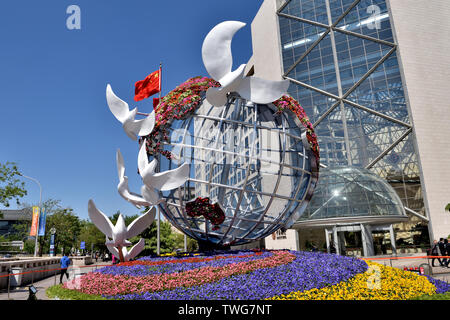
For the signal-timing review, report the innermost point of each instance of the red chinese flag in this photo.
(155, 102)
(147, 87)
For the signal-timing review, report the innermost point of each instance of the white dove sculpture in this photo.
(163, 181)
(119, 233)
(128, 255)
(121, 111)
(218, 61)
(123, 188)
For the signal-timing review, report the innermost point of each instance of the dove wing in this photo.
(120, 165)
(100, 219)
(144, 126)
(118, 107)
(136, 249)
(262, 91)
(150, 195)
(141, 223)
(216, 48)
(131, 197)
(146, 170)
(169, 179)
(141, 127)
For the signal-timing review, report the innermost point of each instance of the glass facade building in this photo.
(340, 57)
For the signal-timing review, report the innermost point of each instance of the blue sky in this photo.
(55, 123)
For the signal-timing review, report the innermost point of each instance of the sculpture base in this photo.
(205, 246)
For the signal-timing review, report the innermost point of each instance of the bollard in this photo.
(9, 281)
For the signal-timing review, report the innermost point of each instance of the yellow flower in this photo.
(379, 282)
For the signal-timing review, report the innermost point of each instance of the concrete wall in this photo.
(266, 42)
(45, 264)
(291, 241)
(421, 29)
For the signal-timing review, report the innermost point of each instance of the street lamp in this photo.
(40, 202)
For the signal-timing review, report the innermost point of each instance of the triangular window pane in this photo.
(356, 56)
(317, 68)
(314, 10)
(369, 135)
(330, 133)
(400, 168)
(383, 91)
(296, 38)
(368, 17)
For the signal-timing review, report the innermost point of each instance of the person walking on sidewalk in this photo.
(435, 251)
(446, 252)
(65, 262)
(443, 250)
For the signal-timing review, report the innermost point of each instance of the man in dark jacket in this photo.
(443, 251)
(447, 252)
(435, 251)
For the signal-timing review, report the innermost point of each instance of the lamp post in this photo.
(40, 203)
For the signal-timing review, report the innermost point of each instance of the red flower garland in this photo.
(184, 100)
(202, 207)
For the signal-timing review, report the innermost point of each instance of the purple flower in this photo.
(309, 270)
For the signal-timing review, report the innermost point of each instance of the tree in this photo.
(191, 245)
(22, 228)
(67, 226)
(93, 237)
(10, 187)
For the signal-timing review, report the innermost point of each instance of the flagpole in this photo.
(158, 240)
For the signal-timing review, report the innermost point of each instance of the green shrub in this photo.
(65, 294)
(442, 296)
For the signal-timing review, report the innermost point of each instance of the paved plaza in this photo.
(21, 293)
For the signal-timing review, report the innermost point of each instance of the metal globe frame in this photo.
(245, 221)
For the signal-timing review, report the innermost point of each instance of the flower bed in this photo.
(378, 283)
(255, 275)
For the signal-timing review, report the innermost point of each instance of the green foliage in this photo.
(192, 244)
(28, 246)
(442, 296)
(90, 234)
(447, 207)
(167, 238)
(10, 186)
(67, 226)
(65, 294)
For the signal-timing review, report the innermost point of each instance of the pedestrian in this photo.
(96, 256)
(113, 259)
(435, 251)
(106, 256)
(442, 250)
(65, 262)
(446, 252)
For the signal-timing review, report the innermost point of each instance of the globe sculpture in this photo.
(228, 160)
(252, 151)
(253, 167)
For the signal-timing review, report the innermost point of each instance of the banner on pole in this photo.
(34, 222)
(42, 219)
(52, 245)
(82, 245)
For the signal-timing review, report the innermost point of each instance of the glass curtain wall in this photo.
(340, 57)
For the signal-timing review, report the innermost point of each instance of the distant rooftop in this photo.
(13, 215)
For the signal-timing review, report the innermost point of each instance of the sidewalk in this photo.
(441, 273)
(21, 293)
